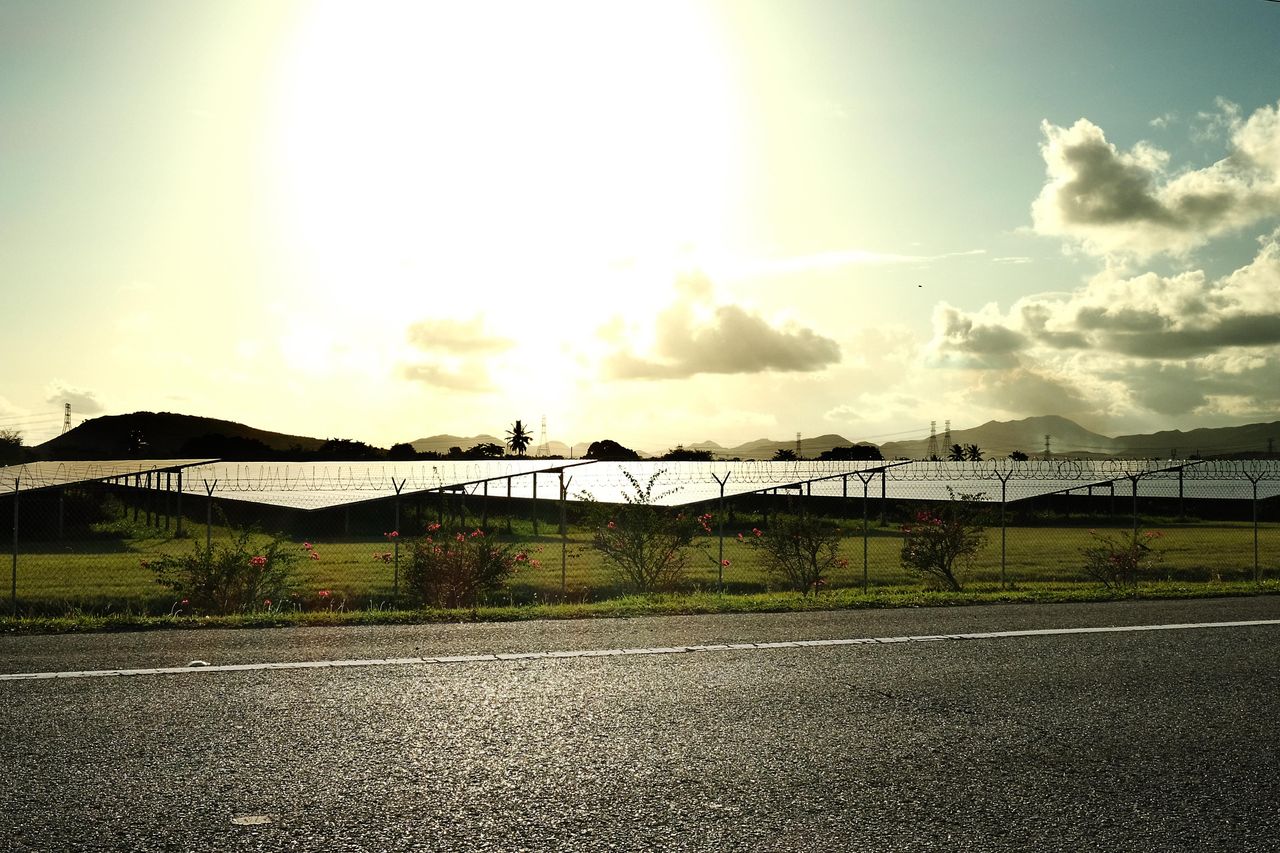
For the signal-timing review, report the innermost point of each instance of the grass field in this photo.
(106, 572)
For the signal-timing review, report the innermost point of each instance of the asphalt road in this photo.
(1155, 740)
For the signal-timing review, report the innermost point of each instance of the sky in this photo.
(654, 222)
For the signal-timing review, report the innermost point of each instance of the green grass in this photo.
(104, 575)
(632, 606)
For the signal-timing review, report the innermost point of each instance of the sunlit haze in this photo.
(653, 222)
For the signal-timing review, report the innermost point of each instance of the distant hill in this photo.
(442, 443)
(1247, 440)
(1069, 439)
(765, 448)
(1000, 438)
(168, 436)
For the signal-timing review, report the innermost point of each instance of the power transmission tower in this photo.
(66, 418)
(543, 448)
(932, 453)
(946, 435)
(797, 445)
(1048, 454)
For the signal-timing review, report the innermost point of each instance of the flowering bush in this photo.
(646, 545)
(244, 575)
(937, 540)
(800, 550)
(1114, 559)
(453, 571)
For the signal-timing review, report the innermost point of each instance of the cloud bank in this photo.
(1174, 345)
(692, 336)
(83, 402)
(456, 354)
(1129, 203)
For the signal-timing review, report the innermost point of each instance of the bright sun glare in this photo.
(519, 162)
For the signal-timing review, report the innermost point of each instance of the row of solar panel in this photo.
(318, 485)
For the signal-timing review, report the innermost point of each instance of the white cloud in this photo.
(83, 402)
(1177, 344)
(458, 352)
(693, 336)
(1129, 203)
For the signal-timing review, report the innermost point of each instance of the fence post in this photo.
(1257, 570)
(1133, 481)
(535, 503)
(1004, 495)
(484, 507)
(564, 538)
(720, 561)
(395, 540)
(13, 589)
(208, 514)
(866, 570)
(178, 525)
(884, 474)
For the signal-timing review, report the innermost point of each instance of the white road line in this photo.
(660, 650)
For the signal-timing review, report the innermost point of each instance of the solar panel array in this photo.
(44, 475)
(317, 485)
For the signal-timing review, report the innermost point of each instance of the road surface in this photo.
(1103, 740)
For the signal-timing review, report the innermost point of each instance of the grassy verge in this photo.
(638, 606)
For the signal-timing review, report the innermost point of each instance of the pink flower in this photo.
(185, 602)
(258, 562)
(306, 545)
(324, 593)
(392, 535)
(266, 602)
(461, 538)
(522, 557)
(724, 563)
(314, 555)
(611, 525)
(433, 527)
(756, 532)
(537, 564)
(476, 533)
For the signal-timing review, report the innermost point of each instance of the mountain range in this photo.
(169, 435)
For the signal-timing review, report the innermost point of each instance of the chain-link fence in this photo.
(102, 546)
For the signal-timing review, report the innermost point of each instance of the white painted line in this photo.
(595, 653)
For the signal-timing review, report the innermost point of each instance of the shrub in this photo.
(454, 570)
(1114, 559)
(799, 550)
(646, 545)
(940, 538)
(250, 572)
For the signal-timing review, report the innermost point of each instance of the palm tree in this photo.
(1018, 456)
(519, 438)
(972, 453)
(955, 453)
